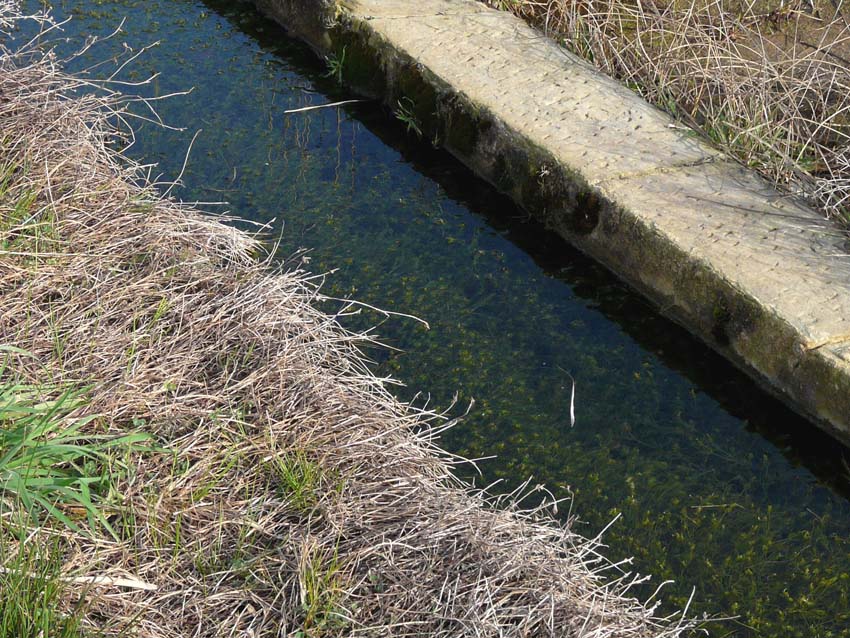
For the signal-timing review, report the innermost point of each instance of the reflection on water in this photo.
(719, 486)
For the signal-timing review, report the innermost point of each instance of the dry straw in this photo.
(766, 80)
(294, 495)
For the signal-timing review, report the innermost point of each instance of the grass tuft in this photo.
(322, 592)
(32, 594)
(299, 478)
(49, 463)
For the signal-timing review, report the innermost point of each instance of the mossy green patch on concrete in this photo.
(309, 19)
(737, 325)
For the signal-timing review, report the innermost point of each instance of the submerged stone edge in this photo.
(813, 378)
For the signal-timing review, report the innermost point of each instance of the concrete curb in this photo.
(760, 277)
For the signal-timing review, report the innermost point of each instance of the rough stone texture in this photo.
(760, 277)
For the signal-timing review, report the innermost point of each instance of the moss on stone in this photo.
(462, 125)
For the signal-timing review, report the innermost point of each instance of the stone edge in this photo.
(814, 382)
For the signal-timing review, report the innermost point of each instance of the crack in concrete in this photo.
(809, 346)
(412, 16)
(658, 170)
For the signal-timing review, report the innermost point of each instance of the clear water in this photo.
(718, 486)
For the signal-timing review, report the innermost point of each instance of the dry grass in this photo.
(766, 80)
(294, 496)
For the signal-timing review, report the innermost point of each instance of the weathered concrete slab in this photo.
(760, 277)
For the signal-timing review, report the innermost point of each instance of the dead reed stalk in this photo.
(294, 496)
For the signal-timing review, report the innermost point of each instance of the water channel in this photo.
(717, 486)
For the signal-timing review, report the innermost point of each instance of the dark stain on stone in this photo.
(463, 124)
(362, 66)
(612, 221)
(502, 177)
(585, 217)
(721, 320)
(732, 318)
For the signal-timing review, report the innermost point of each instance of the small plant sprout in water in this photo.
(335, 66)
(404, 114)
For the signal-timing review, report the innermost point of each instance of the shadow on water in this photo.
(800, 441)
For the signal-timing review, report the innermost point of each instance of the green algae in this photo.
(717, 486)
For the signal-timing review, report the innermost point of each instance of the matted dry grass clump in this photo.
(767, 80)
(293, 495)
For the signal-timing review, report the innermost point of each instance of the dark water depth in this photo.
(717, 486)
